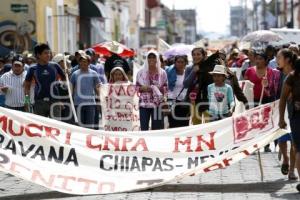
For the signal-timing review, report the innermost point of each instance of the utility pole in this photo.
(292, 14)
(276, 13)
(264, 14)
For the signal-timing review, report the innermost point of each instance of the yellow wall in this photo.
(41, 20)
(17, 26)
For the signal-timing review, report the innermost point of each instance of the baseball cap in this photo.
(17, 59)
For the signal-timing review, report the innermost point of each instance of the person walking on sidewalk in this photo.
(291, 88)
(286, 59)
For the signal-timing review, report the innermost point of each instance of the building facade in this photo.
(27, 22)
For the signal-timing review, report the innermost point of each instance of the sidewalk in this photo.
(238, 182)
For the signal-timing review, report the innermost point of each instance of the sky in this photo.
(212, 15)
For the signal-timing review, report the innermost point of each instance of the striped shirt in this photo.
(14, 96)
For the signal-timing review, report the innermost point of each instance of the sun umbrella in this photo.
(180, 49)
(109, 47)
(263, 36)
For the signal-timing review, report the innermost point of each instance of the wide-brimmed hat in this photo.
(60, 57)
(219, 69)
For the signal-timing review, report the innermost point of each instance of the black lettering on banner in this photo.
(23, 152)
(146, 162)
(3, 158)
(157, 165)
(53, 155)
(1, 140)
(39, 152)
(102, 162)
(11, 146)
(72, 157)
(193, 162)
(135, 164)
(149, 182)
(168, 164)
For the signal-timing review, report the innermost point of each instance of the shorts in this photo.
(285, 138)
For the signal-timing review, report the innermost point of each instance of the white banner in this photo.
(120, 107)
(76, 160)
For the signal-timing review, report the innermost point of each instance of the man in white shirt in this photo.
(11, 84)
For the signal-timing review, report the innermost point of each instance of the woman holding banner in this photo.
(265, 80)
(291, 88)
(118, 75)
(179, 116)
(152, 83)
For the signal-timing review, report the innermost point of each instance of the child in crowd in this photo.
(220, 95)
(118, 75)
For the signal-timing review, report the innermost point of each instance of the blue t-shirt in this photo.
(84, 84)
(44, 76)
(221, 99)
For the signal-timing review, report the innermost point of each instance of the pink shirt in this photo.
(273, 77)
(152, 99)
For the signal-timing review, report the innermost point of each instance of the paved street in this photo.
(240, 181)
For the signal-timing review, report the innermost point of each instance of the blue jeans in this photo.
(157, 121)
(86, 115)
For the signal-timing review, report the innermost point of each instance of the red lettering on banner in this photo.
(116, 142)
(14, 166)
(227, 161)
(187, 142)
(210, 144)
(3, 120)
(64, 185)
(31, 134)
(11, 130)
(58, 181)
(213, 167)
(107, 184)
(124, 146)
(36, 175)
(50, 134)
(89, 143)
(245, 126)
(68, 137)
(87, 184)
(198, 140)
(141, 142)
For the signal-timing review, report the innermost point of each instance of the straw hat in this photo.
(219, 69)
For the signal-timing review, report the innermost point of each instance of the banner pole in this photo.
(258, 152)
(69, 91)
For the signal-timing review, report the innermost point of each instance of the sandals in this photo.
(292, 177)
(285, 169)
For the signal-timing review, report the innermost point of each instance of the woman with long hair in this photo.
(286, 59)
(191, 81)
(291, 88)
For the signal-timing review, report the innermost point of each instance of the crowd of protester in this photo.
(200, 91)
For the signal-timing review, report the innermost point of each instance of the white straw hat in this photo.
(219, 69)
